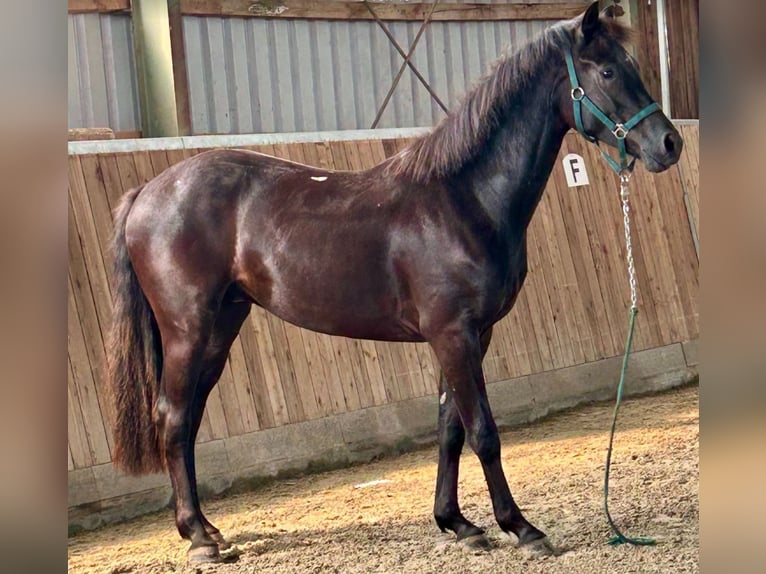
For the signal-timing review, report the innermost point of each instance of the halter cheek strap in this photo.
(619, 130)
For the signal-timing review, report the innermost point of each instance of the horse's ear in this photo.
(590, 22)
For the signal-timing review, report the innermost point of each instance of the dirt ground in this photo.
(335, 522)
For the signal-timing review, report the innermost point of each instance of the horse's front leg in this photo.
(459, 351)
(451, 439)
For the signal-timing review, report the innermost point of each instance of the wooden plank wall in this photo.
(690, 172)
(572, 310)
(683, 45)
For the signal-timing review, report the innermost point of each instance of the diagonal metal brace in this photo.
(406, 62)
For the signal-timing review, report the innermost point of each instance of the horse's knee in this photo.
(485, 442)
(451, 435)
(453, 439)
(174, 424)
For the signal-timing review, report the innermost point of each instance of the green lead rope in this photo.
(619, 537)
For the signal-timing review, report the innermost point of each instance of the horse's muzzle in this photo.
(665, 153)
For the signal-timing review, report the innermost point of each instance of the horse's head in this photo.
(605, 90)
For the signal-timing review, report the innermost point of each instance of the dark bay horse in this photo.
(433, 245)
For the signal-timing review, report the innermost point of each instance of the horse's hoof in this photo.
(218, 538)
(539, 548)
(204, 555)
(475, 542)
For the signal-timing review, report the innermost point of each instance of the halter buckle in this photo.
(620, 132)
(576, 91)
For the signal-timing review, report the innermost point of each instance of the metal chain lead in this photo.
(625, 197)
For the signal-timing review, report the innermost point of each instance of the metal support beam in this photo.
(151, 37)
(662, 34)
(180, 73)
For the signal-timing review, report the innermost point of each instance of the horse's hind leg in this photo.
(185, 331)
(451, 439)
(227, 325)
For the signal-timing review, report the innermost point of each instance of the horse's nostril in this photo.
(671, 143)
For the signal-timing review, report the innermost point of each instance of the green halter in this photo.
(620, 131)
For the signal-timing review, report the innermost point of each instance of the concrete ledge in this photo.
(234, 140)
(100, 495)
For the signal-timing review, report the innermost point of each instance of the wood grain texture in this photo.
(98, 6)
(414, 11)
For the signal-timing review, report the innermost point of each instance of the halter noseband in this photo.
(619, 130)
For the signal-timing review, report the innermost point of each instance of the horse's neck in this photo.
(510, 179)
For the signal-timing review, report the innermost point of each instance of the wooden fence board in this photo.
(324, 400)
(113, 185)
(291, 387)
(346, 376)
(359, 373)
(303, 377)
(689, 166)
(374, 372)
(84, 388)
(144, 169)
(337, 394)
(258, 388)
(205, 432)
(402, 370)
(214, 409)
(87, 318)
(272, 379)
(511, 350)
(159, 161)
(76, 438)
(175, 155)
(126, 166)
(99, 205)
(500, 355)
(83, 226)
(238, 402)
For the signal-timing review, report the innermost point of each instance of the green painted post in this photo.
(151, 38)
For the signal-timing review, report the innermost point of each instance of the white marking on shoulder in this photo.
(443, 398)
(319, 178)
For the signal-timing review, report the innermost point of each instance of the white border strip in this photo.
(186, 142)
(234, 140)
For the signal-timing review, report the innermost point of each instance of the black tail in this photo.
(134, 359)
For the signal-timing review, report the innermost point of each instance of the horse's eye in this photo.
(608, 73)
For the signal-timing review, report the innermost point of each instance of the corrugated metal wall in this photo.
(103, 90)
(250, 75)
